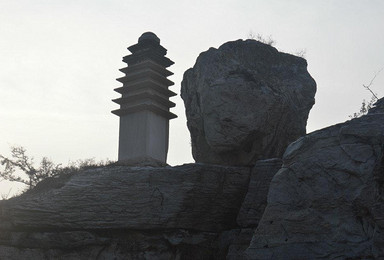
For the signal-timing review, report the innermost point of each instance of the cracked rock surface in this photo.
(327, 201)
(122, 212)
(246, 101)
(192, 196)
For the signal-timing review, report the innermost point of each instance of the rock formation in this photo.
(323, 200)
(327, 201)
(121, 212)
(124, 212)
(246, 101)
(134, 198)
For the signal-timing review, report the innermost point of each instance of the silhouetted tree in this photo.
(367, 105)
(20, 167)
(20, 162)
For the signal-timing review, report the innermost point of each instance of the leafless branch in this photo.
(368, 87)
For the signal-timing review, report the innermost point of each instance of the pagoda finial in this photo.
(149, 36)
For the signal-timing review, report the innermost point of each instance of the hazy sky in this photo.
(59, 61)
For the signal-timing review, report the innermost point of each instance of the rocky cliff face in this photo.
(327, 201)
(246, 101)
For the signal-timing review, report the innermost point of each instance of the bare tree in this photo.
(367, 105)
(20, 168)
(368, 87)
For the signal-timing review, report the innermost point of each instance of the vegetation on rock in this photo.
(20, 167)
(367, 105)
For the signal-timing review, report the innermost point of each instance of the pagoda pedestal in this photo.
(144, 104)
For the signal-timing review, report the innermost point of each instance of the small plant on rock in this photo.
(259, 37)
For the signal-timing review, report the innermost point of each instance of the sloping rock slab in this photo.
(327, 202)
(194, 196)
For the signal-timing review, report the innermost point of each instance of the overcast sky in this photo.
(59, 61)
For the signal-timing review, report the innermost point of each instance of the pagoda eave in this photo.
(135, 59)
(147, 45)
(144, 107)
(144, 96)
(146, 85)
(148, 64)
(137, 77)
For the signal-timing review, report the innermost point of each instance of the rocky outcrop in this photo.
(134, 198)
(246, 101)
(126, 213)
(323, 200)
(327, 201)
(194, 211)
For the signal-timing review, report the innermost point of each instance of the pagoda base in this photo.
(141, 162)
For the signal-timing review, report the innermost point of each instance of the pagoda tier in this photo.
(144, 103)
(145, 86)
(146, 73)
(140, 57)
(147, 64)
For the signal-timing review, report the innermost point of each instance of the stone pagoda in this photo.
(144, 104)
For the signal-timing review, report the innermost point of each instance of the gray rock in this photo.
(255, 201)
(327, 201)
(377, 108)
(193, 196)
(237, 249)
(110, 244)
(238, 240)
(125, 212)
(246, 101)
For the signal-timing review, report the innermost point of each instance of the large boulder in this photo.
(327, 201)
(246, 101)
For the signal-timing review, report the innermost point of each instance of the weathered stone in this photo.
(327, 200)
(193, 196)
(238, 240)
(246, 101)
(113, 244)
(377, 108)
(255, 201)
(124, 212)
(237, 249)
